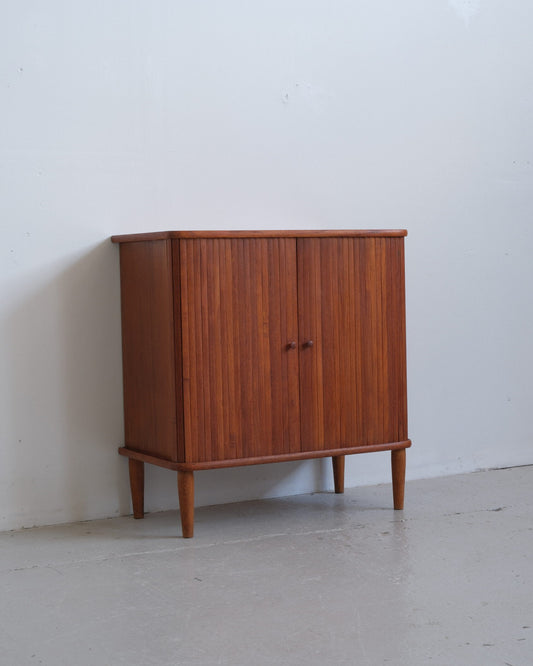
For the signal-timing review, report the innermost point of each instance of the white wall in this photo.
(123, 116)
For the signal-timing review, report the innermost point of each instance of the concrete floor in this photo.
(313, 579)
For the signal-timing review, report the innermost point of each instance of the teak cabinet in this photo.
(244, 347)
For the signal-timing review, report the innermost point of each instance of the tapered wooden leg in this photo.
(338, 473)
(186, 497)
(398, 477)
(137, 487)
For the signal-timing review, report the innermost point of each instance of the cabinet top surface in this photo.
(300, 233)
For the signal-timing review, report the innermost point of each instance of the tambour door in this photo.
(352, 340)
(240, 370)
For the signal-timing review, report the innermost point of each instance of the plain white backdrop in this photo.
(129, 116)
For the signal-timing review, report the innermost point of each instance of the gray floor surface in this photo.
(313, 579)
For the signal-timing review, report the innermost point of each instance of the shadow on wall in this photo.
(63, 378)
(63, 381)
(262, 481)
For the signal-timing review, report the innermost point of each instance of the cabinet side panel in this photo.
(397, 333)
(148, 348)
(380, 348)
(370, 358)
(240, 380)
(178, 350)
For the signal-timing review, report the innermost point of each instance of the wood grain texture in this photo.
(260, 460)
(351, 303)
(245, 348)
(301, 233)
(398, 460)
(178, 352)
(148, 348)
(240, 377)
(338, 473)
(136, 470)
(186, 500)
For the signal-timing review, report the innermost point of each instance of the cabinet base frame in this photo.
(186, 474)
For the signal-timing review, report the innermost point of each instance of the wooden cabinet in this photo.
(243, 348)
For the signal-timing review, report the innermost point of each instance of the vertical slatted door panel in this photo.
(342, 389)
(310, 303)
(240, 381)
(351, 305)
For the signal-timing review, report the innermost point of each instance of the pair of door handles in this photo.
(305, 345)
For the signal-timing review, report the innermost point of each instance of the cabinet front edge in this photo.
(301, 233)
(261, 460)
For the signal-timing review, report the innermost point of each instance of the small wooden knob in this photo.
(291, 345)
(308, 343)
